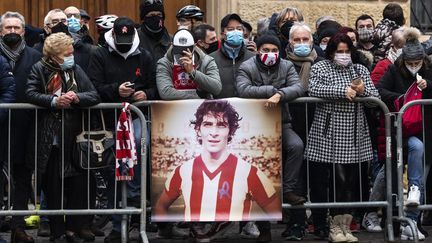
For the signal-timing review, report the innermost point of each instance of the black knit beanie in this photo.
(268, 38)
(146, 7)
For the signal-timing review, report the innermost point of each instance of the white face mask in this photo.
(323, 47)
(343, 59)
(414, 70)
(269, 59)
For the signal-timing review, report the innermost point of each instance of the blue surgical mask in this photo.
(68, 63)
(302, 50)
(234, 38)
(74, 25)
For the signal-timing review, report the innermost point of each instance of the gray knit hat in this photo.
(412, 50)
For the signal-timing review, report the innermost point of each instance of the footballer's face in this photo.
(214, 132)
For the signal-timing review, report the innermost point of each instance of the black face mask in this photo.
(153, 24)
(123, 48)
(212, 47)
(285, 28)
(12, 39)
(60, 28)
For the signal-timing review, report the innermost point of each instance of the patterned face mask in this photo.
(269, 59)
(365, 34)
(343, 59)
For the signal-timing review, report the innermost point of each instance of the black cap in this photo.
(227, 18)
(124, 30)
(84, 14)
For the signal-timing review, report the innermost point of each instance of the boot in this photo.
(347, 219)
(336, 234)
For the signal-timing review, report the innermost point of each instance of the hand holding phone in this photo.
(130, 85)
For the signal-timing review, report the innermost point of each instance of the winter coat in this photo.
(22, 121)
(255, 80)
(228, 69)
(206, 77)
(339, 131)
(50, 120)
(157, 48)
(379, 70)
(7, 87)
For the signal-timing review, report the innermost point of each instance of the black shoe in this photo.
(265, 236)
(20, 236)
(44, 229)
(61, 239)
(293, 199)
(113, 237)
(294, 233)
(96, 231)
(427, 218)
(73, 238)
(321, 233)
(86, 235)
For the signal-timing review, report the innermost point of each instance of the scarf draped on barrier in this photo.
(126, 156)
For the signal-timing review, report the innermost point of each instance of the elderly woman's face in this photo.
(68, 51)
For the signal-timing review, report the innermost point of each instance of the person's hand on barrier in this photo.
(73, 96)
(359, 87)
(350, 93)
(125, 91)
(186, 61)
(64, 101)
(422, 84)
(139, 96)
(273, 101)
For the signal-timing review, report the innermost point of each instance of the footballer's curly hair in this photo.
(214, 107)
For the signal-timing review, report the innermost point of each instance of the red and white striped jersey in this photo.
(225, 194)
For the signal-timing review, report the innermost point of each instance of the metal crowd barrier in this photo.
(124, 210)
(388, 230)
(128, 211)
(400, 167)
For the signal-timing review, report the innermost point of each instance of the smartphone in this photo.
(130, 85)
(357, 81)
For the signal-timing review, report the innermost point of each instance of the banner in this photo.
(216, 160)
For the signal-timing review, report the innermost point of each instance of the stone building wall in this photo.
(345, 12)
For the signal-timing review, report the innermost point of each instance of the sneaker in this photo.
(336, 234)
(265, 236)
(371, 222)
(217, 230)
(294, 233)
(413, 197)
(250, 231)
(345, 226)
(407, 234)
(354, 226)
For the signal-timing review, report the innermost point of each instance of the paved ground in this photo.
(234, 237)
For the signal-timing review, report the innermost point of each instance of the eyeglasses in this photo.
(76, 15)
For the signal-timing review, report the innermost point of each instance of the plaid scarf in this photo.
(126, 156)
(55, 79)
(12, 55)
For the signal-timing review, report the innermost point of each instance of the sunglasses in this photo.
(76, 15)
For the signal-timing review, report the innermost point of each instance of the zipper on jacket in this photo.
(327, 124)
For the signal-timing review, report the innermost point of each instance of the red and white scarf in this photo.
(126, 156)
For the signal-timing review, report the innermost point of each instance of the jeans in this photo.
(292, 155)
(415, 171)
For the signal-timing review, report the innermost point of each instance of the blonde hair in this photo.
(56, 44)
(295, 11)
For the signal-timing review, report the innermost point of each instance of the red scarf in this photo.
(126, 156)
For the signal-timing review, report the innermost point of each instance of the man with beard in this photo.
(21, 58)
(153, 35)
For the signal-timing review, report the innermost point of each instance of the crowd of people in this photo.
(60, 65)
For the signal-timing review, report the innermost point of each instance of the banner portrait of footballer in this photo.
(216, 160)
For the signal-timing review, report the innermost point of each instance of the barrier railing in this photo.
(400, 167)
(128, 211)
(124, 210)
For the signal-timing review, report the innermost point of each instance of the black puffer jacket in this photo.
(50, 120)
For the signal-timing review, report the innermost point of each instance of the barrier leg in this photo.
(124, 222)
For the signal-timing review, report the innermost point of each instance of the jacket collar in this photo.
(224, 51)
